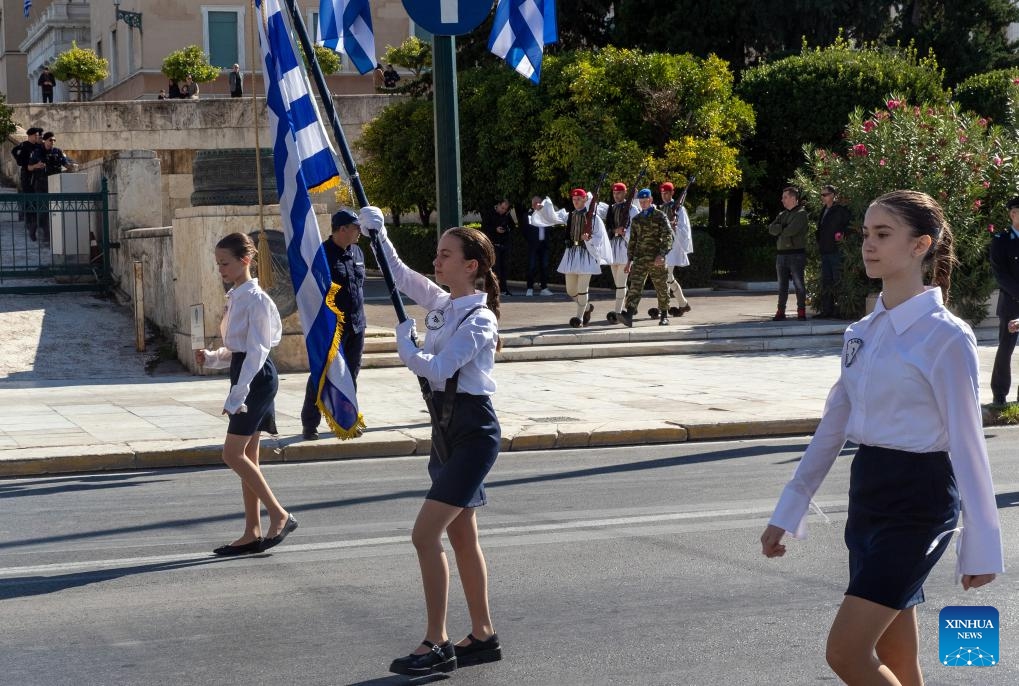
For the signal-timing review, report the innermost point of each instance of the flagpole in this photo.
(345, 154)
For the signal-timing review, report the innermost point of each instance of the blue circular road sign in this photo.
(448, 17)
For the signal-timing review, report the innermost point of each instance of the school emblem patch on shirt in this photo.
(852, 347)
(435, 319)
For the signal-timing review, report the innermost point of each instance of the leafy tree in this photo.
(7, 126)
(189, 61)
(957, 158)
(82, 67)
(616, 110)
(416, 55)
(328, 61)
(968, 36)
(744, 32)
(988, 94)
(399, 147)
(807, 98)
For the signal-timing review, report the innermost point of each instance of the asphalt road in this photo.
(616, 566)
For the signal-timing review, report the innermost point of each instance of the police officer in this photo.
(346, 267)
(650, 241)
(1004, 257)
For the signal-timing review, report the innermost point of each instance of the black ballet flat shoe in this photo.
(284, 532)
(439, 658)
(228, 550)
(478, 652)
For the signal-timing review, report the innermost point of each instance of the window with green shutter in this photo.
(223, 49)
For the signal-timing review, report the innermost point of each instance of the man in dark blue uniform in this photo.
(346, 266)
(1004, 255)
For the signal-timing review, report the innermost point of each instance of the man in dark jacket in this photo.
(1004, 257)
(832, 225)
(23, 153)
(346, 267)
(790, 228)
(498, 225)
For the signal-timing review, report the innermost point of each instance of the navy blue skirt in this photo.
(261, 414)
(473, 438)
(899, 504)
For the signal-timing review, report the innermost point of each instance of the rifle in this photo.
(592, 209)
(682, 196)
(629, 198)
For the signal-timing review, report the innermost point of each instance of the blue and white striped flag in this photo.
(28, 6)
(304, 161)
(520, 33)
(346, 26)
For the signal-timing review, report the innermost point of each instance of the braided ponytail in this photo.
(942, 260)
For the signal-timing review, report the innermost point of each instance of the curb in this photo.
(380, 444)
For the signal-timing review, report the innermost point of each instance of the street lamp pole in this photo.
(132, 19)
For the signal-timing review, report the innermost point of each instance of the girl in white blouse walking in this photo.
(250, 328)
(908, 395)
(457, 360)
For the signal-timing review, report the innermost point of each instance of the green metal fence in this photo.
(54, 241)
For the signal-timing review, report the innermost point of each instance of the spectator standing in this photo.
(832, 225)
(537, 246)
(390, 77)
(498, 225)
(1004, 257)
(162, 94)
(790, 227)
(236, 82)
(173, 91)
(46, 83)
(346, 269)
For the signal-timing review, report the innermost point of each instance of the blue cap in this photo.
(344, 217)
(644, 193)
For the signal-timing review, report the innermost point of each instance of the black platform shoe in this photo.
(611, 317)
(587, 315)
(439, 658)
(625, 318)
(679, 311)
(478, 652)
(653, 313)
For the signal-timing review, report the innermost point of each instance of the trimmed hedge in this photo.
(987, 94)
(416, 246)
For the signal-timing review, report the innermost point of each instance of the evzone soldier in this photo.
(650, 242)
(682, 246)
(587, 249)
(617, 226)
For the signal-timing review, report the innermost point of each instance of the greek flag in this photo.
(28, 6)
(304, 160)
(346, 26)
(520, 33)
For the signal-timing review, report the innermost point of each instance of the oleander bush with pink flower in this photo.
(966, 163)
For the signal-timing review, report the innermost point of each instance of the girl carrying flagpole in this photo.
(457, 360)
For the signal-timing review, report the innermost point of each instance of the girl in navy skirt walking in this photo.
(908, 395)
(457, 360)
(250, 328)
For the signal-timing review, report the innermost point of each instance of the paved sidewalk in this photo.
(107, 413)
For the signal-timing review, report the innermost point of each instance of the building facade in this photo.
(137, 35)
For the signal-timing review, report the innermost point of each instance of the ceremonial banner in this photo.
(304, 161)
(346, 26)
(521, 30)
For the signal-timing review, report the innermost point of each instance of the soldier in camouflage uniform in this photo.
(650, 242)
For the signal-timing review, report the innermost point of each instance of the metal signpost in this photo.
(445, 19)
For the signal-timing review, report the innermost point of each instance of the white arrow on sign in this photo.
(449, 12)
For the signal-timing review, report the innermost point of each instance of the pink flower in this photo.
(869, 125)
(983, 122)
(838, 235)
(990, 228)
(997, 161)
(987, 184)
(977, 203)
(892, 104)
(882, 162)
(860, 149)
(916, 110)
(1015, 81)
(962, 138)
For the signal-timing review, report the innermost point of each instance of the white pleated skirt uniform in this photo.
(682, 243)
(578, 260)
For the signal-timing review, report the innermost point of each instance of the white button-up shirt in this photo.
(909, 382)
(469, 347)
(251, 324)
